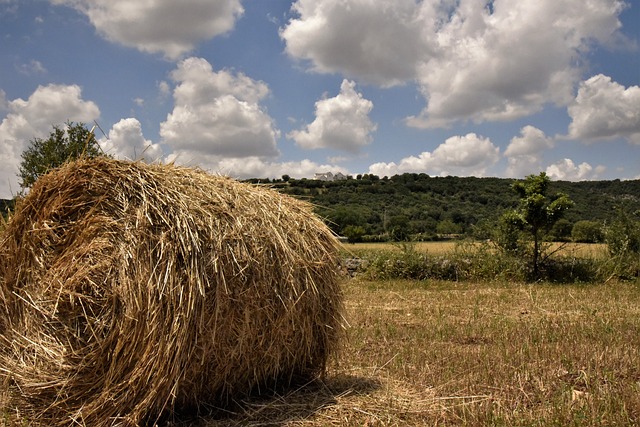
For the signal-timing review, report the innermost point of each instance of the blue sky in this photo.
(262, 88)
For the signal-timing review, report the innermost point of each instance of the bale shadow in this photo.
(280, 407)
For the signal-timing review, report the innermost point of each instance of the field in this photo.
(446, 353)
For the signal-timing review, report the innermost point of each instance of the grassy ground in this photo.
(471, 354)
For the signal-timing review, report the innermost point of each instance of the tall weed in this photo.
(485, 261)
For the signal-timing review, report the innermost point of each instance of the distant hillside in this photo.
(424, 206)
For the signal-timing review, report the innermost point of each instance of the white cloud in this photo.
(373, 40)
(217, 115)
(254, 167)
(472, 60)
(524, 153)
(31, 68)
(33, 118)
(566, 170)
(199, 84)
(604, 109)
(341, 122)
(508, 62)
(4, 104)
(468, 155)
(170, 27)
(126, 141)
(164, 89)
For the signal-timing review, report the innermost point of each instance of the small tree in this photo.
(586, 231)
(537, 212)
(354, 233)
(623, 234)
(61, 146)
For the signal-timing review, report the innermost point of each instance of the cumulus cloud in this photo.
(341, 122)
(604, 109)
(468, 155)
(472, 60)
(125, 141)
(254, 167)
(170, 27)
(4, 105)
(373, 40)
(217, 115)
(566, 170)
(33, 118)
(524, 153)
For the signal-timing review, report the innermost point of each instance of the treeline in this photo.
(420, 207)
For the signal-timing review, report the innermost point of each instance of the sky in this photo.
(264, 88)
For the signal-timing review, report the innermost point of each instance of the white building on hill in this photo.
(328, 176)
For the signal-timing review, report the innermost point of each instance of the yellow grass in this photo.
(469, 354)
(466, 354)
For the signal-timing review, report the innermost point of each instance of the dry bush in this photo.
(132, 291)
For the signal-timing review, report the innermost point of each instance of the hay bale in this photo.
(132, 290)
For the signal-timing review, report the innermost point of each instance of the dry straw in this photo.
(131, 291)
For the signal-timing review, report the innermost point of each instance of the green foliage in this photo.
(509, 232)
(473, 261)
(447, 226)
(398, 227)
(470, 261)
(586, 231)
(411, 264)
(354, 233)
(560, 231)
(623, 235)
(342, 217)
(61, 146)
(474, 204)
(536, 214)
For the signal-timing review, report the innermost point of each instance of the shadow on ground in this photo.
(275, 410)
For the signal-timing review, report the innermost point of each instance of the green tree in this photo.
(586, 231)
(398, 226)
(623, 234)
(537, 212)
(62, 145)
(447, 226)
(354, 233)
(509, 232)
(561, 231)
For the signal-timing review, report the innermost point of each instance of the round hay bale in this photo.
(132, 290)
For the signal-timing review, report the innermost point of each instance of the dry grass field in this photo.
(498, 354)
(444, 353)
(473, 354)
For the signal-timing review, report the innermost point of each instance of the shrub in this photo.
(587, 232)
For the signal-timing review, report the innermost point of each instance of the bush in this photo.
(485, 261)
(587, 232)
(469, 261)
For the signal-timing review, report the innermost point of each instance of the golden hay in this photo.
(131, 291)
